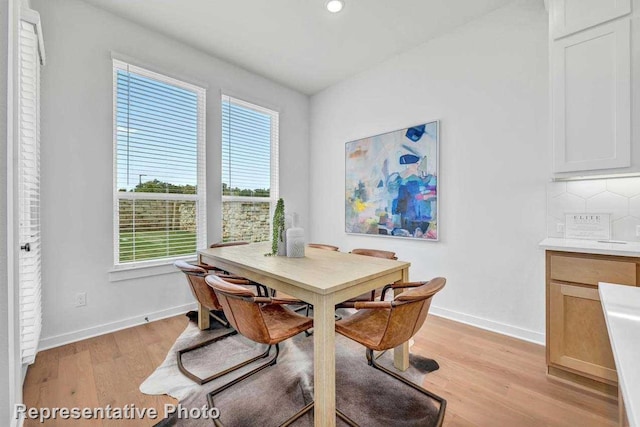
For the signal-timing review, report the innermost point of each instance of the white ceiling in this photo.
(297, 42)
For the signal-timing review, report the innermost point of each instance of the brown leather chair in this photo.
(220, 245)
(206, 298)
(323, 246)
(261, 319)
(376, 253)
(382, 325)
(262, 290)
(369, 296)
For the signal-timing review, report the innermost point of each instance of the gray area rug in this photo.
(268, 398)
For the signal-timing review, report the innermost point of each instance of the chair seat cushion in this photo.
(366, 327)
(283, 323)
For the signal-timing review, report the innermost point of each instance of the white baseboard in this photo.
(94, 331)
(490, 325)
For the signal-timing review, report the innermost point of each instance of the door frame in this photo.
(15, 374)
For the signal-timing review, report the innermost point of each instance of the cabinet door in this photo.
(578, 337)
(570, 16)
(591, 97)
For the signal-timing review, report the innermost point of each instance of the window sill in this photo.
(129, 272)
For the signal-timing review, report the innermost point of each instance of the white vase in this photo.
(295, 242)
(282, 246)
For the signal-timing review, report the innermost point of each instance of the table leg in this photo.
(324, 363)
(203, 317)
(203, 312)
(401, 352)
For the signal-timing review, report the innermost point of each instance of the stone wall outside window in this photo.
(246, 221)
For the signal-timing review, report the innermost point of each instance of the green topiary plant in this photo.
(278, 227)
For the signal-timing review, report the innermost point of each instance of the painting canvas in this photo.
(392, 183)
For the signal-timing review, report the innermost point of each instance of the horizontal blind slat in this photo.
(159, 156)
(248, 143)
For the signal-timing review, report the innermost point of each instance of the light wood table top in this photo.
(320, 271)
(322, 278)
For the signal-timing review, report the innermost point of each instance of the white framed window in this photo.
(250, 137)
(159, 167)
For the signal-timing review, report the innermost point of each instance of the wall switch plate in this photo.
(637, 230)
(81, 299)
(559, 227)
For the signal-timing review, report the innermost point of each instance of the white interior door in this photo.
(29, 191)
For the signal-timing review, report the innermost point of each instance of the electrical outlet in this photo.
(81, 299)
(637, 230)
(559, 227)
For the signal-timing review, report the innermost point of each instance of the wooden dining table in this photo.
(322, 278)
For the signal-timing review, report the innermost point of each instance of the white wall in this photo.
(77, 163)
(487, 83)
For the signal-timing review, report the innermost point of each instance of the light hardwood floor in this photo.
(488, 379)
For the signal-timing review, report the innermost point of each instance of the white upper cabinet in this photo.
(591, 96)
(571, 16)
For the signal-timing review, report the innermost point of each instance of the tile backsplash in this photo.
(618, 196)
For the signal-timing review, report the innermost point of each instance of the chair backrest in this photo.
(240, 308)
(409, 312)
(199, 288)
(375, 253)
(323, 246)
(225, 244)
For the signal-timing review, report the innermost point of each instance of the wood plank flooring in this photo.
(488, 379)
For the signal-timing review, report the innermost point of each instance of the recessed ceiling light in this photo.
(335, 6)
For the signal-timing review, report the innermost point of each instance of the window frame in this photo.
(201, 194)
(274, 190)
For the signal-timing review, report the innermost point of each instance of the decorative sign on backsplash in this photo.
(588, 226)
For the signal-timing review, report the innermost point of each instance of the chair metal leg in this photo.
(271, 362)
(306, 313)
(297, 415)
(223, 321)
(443, 403)
(191, 375)
(302, 307)
(262, 289)
(346, 419)
(243, 377)
(309, 407)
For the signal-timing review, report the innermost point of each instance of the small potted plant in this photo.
(278, 245)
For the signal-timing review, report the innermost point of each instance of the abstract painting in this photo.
(392, 183)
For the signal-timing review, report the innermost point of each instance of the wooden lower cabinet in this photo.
(578, 347)
(578, 338)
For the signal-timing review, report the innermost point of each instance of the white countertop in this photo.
(591, 247)
(621, 306)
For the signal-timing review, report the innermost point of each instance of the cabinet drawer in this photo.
(591, 271)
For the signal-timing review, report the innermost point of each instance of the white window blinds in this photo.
(159, 185)
(249, 169)
(30, 279)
